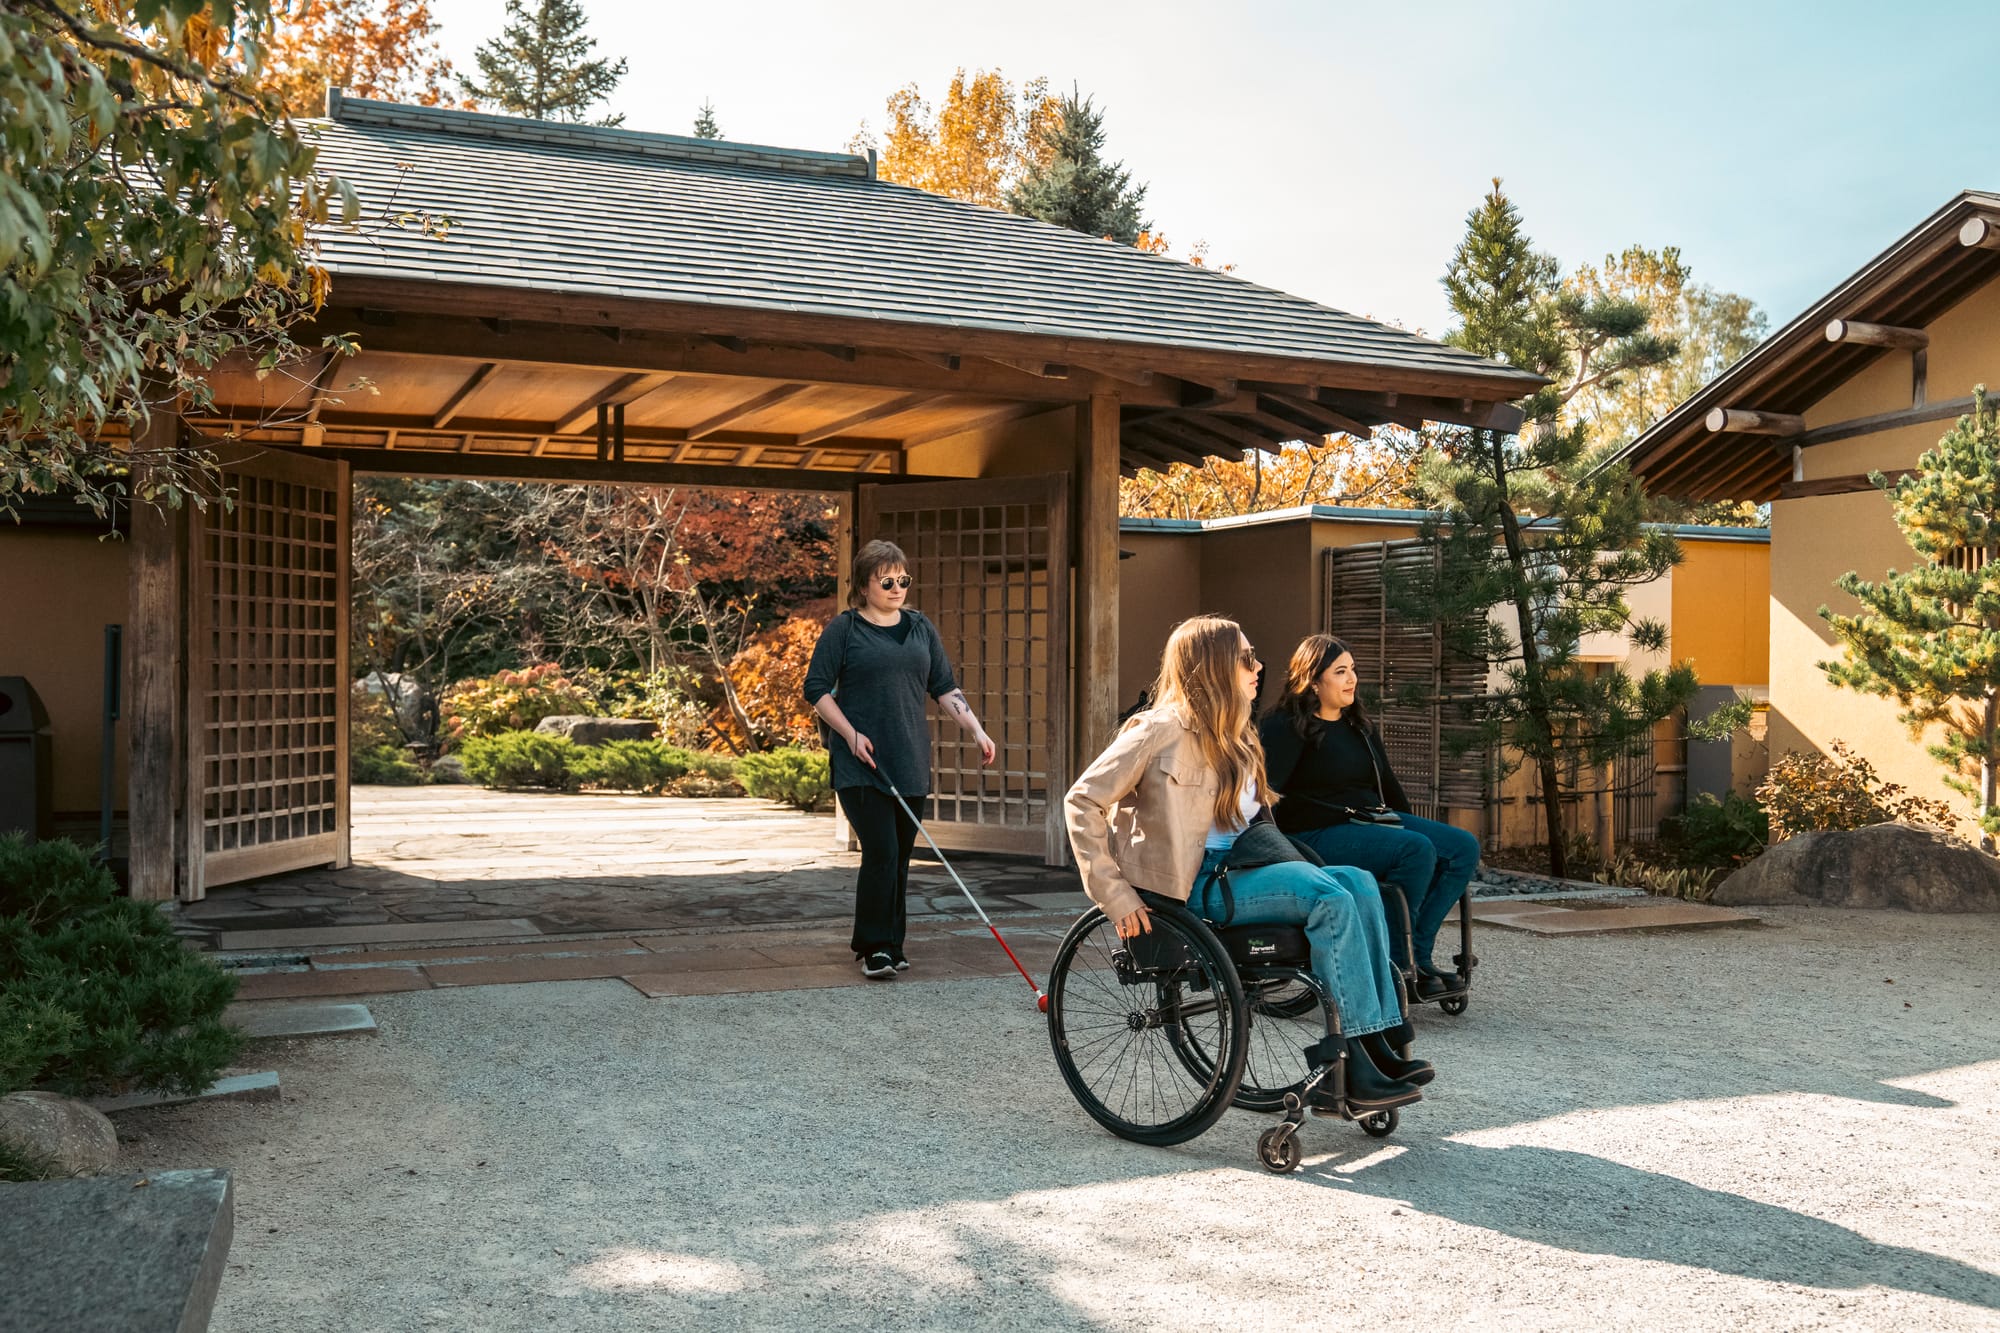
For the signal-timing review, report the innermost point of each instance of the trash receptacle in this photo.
(27, 761)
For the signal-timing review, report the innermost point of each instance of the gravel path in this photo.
(1796, 1126)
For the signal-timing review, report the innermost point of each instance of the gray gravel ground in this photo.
(1796, 1126)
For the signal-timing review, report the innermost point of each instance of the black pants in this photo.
(887, 837)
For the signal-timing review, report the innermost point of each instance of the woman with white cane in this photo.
(871, 670)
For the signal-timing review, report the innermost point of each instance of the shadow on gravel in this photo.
(1588, 1205)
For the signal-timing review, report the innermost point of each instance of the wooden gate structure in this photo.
(614, 307)
(980, 552)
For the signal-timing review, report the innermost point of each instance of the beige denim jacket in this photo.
(1140, 814)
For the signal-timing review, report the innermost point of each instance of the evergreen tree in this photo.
(540, 65)
(1070, 184)
(704, 124)
(1536, 523)
(1930, 637)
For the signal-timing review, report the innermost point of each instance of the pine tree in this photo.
(540, 66)
(1930, 637)
(704, 124)
(1070, 184)
(1538, 524)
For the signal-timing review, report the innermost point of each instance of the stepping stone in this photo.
(263, 1020)
(138, 1253)
(338, 981)
(1053, 902)
(236, 1088)
(313, 937)
(1672, 915)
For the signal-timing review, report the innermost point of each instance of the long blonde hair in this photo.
(1198, 680)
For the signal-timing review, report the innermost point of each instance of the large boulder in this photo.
(597, 730)
(1904, 866)
(79, 1139)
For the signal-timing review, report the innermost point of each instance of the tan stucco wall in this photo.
(1261, 577)
(1721, 616)
(1159, 587)
(62, 588)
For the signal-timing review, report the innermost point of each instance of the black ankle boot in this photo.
(1394, 1066)
(1368, 1089)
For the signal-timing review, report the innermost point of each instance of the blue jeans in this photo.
(1427, 862)
(1341, 910)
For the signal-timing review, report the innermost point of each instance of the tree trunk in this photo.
(1986, 769)
(722, 671)
(1531, 665)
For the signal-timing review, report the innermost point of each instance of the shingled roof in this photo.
(618, 213)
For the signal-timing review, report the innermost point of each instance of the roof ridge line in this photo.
(347, 109)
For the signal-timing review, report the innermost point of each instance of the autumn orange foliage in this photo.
(769, 676)
(1378, 472)
(383, 49)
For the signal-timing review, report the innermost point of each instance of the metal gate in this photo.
(990, 560)
(267, 672)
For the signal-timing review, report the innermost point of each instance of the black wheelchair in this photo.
(1459, 997)
(1158, 1035)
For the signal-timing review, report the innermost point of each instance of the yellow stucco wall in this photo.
(1038, 444)
(1261, 577)
(1721, 616)
(63, 586)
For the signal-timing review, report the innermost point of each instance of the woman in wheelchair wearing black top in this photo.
(1161, 808)
(1341, 798)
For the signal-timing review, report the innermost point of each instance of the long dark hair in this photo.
(1315, 653)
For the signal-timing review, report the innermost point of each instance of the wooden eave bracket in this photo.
(1980, 233)
(1861, 334)
(1750, 421)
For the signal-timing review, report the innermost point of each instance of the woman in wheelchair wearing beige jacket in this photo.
(1160, 808)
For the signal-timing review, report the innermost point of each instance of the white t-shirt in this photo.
(1220, 837)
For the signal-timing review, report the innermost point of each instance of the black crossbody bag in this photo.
(1261, 844)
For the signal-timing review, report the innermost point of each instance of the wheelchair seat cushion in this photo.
(1266, 946)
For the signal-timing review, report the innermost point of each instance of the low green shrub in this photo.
(375, 750)
(512, 701)
(709, 775)
(1717, 835)
(520, 759)
(800, 778)
(647, 766)
(386, 766)
(97, 993)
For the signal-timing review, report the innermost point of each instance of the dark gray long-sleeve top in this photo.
(880, 678)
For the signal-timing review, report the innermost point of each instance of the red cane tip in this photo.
(1041, 1002)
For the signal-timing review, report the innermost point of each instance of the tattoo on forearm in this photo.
(958, 707)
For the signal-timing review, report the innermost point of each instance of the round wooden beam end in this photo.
(1978, 232)
(1836, 331)
(1718, 419)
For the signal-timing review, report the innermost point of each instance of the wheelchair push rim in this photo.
(1121, 1028)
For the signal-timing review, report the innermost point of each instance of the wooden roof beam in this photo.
(625, 389)
(943, 360)
(1305, 412)
(464, 391)
(1138, 379)
(1046, 370)
(1749, 421)
(1859, 334)
(1205, 393)
(1981, 233)
(1166, 448)
(997, 417)
(880, 412)
(748, 407)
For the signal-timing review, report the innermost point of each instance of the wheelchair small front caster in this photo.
(1455, 1004)
(1278, 1149)
(1381, 1124)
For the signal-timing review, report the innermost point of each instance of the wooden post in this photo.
(1096, 577)
(156, 583)
(843, 578)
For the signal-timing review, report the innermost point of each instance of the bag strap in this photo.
(1220, 876)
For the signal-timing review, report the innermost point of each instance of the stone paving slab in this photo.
(264, 1020)
(259, 1087)
(736, 981)
(397, 933)
(376, 955)
(1671, 915)
(515, 971)
(116, 1254)
(344, 981)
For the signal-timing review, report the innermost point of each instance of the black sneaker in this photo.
(902, 963)
(878, 965)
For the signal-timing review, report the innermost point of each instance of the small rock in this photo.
(597, 730)
(77, 1138)
(450, 769)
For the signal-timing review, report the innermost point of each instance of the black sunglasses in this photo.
(1249, 659)
(900, 581)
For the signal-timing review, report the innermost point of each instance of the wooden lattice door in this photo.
(267, 672)
(990, 560)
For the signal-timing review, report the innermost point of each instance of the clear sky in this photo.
(1333, 149)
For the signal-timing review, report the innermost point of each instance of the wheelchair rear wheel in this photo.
(1150, 1034)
